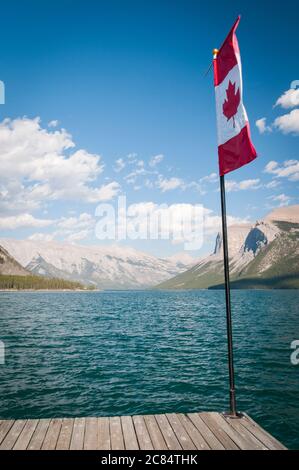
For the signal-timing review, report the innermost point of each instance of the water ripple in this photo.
(112, 353)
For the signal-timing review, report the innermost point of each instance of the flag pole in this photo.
(232, 392)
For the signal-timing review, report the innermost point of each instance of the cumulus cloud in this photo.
(262, 126)
(211, 178)
(288, 99)
(272, 184)
(23, 221)
(169, 184)
(154, 161)
(288, 169)
(71, 229)
(38, 164)
(288, 123)
(41, 237)
(119, 165)
(106, 192)
(179, 222)
(83, 221)
(231, 185)
(282, 199)
(53, 123)
(78, 236)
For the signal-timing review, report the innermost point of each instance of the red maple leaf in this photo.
(230, 105)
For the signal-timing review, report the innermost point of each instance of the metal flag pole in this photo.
(232, 392)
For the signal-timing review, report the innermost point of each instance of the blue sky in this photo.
(125, 80)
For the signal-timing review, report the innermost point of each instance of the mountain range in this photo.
(261, 255)
(105, 267)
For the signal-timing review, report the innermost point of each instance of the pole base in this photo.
(229, 414)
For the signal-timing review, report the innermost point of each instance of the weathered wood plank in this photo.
(180, 432)
(52, 434)
(65, 436)
(116, 434)
(251, 441)
(104, 442)
(142, 433)
(91, 434)
(26, 434)
(230, 431)
(204, 430)
(155, 433)
(13, 434)
(218, 431)
(130, 438)
(262, 434)
(38, 436)
(193, 432)
(168, 433)
(5, 427)
(77, 439)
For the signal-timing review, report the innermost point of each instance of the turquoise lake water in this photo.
(114, 353)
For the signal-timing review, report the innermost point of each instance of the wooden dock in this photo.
(191, 431)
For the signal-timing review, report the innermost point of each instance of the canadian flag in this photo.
(235, 148)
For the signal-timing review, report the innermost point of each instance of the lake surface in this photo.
(113, 353)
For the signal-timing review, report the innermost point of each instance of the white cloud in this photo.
(138, 171)
(282, 199)
(83, 221)
(105, 193)
(156, 160)
(213, 223)
(37, 165)
(231, 185)
(288, 169)
(170, 220)
(119, 165)
(131, 177)
(53, 123)
(77, 236)
(288, 123)
(23, 221)
(168, 184)
(288, 99)
(72, 229)
(148, 183)
(41, 237)
(132, 157)
(262, 126)
(273, 184)
(271, 166)
(211, 178)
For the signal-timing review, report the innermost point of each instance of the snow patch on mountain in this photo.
(108, 267)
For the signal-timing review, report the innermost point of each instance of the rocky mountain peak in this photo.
(236, 236)
(9, 266)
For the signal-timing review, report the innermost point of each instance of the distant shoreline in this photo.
(51, 290)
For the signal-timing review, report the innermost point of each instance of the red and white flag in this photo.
(235, 148)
